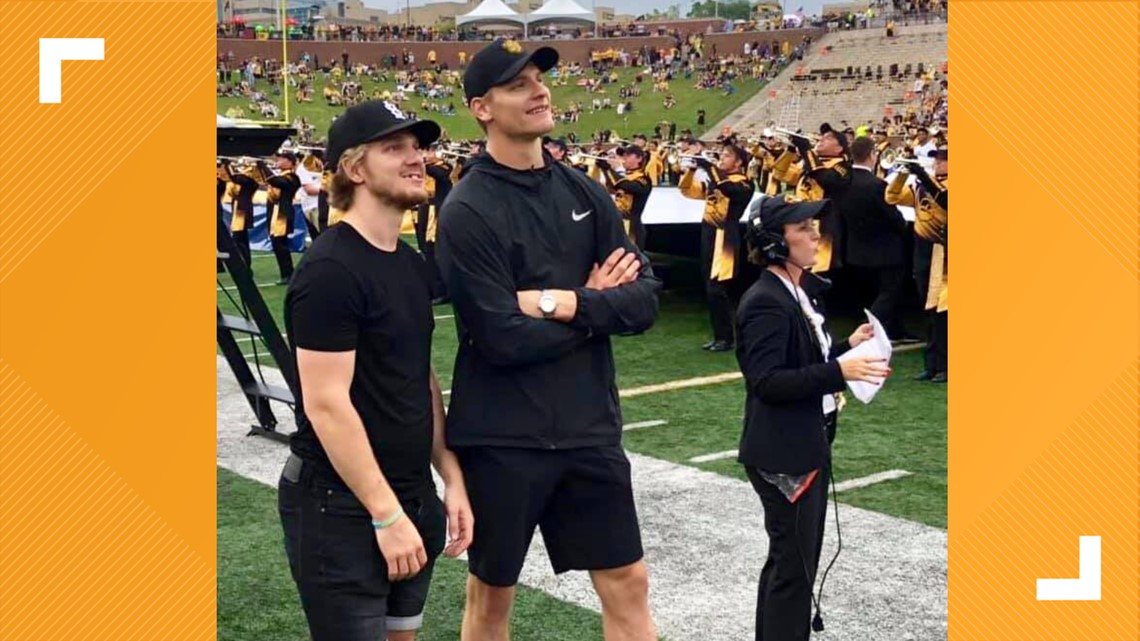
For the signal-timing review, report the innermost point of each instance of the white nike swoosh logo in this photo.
(577, 217)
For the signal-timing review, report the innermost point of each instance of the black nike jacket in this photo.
(521, 381)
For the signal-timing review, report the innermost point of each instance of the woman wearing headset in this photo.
(793, 385)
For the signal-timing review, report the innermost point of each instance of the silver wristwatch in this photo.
(547, 304)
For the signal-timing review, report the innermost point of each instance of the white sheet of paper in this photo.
(878, 347)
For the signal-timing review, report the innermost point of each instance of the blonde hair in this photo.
(342, 188)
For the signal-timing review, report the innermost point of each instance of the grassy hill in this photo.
(648, 108)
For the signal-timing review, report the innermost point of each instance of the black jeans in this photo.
(340, 573)
(795, 538)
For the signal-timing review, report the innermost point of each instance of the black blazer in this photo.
(786, 379)
(876, 232)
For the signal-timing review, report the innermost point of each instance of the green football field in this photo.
(648, 108)
(903, 429)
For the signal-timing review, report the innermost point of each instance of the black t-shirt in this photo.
(346, 295)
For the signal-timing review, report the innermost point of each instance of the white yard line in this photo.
(636, 426)
(681, 384)
(704, 542)
(715, 456)
(864, 481)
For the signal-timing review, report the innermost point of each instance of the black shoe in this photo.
(721, 346)
(707, 345)
(940, 377)
(282, 281)
(923, 376)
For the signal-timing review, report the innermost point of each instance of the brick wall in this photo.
(372, 52)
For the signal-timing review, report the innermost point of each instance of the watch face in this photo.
(546, 304)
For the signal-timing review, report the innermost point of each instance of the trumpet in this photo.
(711, 156)
(452, 153)
(791, 134)
(580, 158)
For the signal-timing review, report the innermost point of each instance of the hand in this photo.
(866, 369)
(621, 267)
(604, 165)
(403, 549)
(862, 333)
(703, 163)
(460, 519)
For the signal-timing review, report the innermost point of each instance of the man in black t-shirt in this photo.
(370, 412)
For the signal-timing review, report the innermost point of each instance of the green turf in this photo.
(648, 107)
(904, 428)
(257, 599)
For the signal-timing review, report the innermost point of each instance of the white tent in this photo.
(491, 12)
(560, 11)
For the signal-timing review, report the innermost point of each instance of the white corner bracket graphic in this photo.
(53, 51)
(1085, 588)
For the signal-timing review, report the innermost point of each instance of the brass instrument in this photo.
(888, 158)
(450, 153)
(580, 158)
(813, 138)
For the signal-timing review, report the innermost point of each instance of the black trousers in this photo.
(795, 539)
(281, 253)
(718, 293)
(937, 359)
(241, 239)
(427, 248)
(890, 285)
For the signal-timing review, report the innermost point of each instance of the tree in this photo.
(733, 10)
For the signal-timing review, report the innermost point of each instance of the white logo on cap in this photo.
(394, 110)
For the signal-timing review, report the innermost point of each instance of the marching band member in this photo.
(631, 191)
(929, 197)
(822, 173)
(438, 185)
(309, 174)
(247, 183)
(283, 188)
(726, 194)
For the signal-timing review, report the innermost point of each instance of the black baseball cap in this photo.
(773, 212)
(287, 155)
(557, 142)
(499, 62)
(373, 120)
(839, 135)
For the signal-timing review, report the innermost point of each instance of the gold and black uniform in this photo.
(929, 197)
(726, 198)
(817, 178)
(244, 186)
(438, 185)
(630, 193)
(279, 209)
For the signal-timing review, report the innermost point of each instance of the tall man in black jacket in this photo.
(541, 273)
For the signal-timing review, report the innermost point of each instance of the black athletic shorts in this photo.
(582, 500)
(340, 573)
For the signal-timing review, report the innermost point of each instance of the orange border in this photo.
(1043, 409)
(107, 462)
